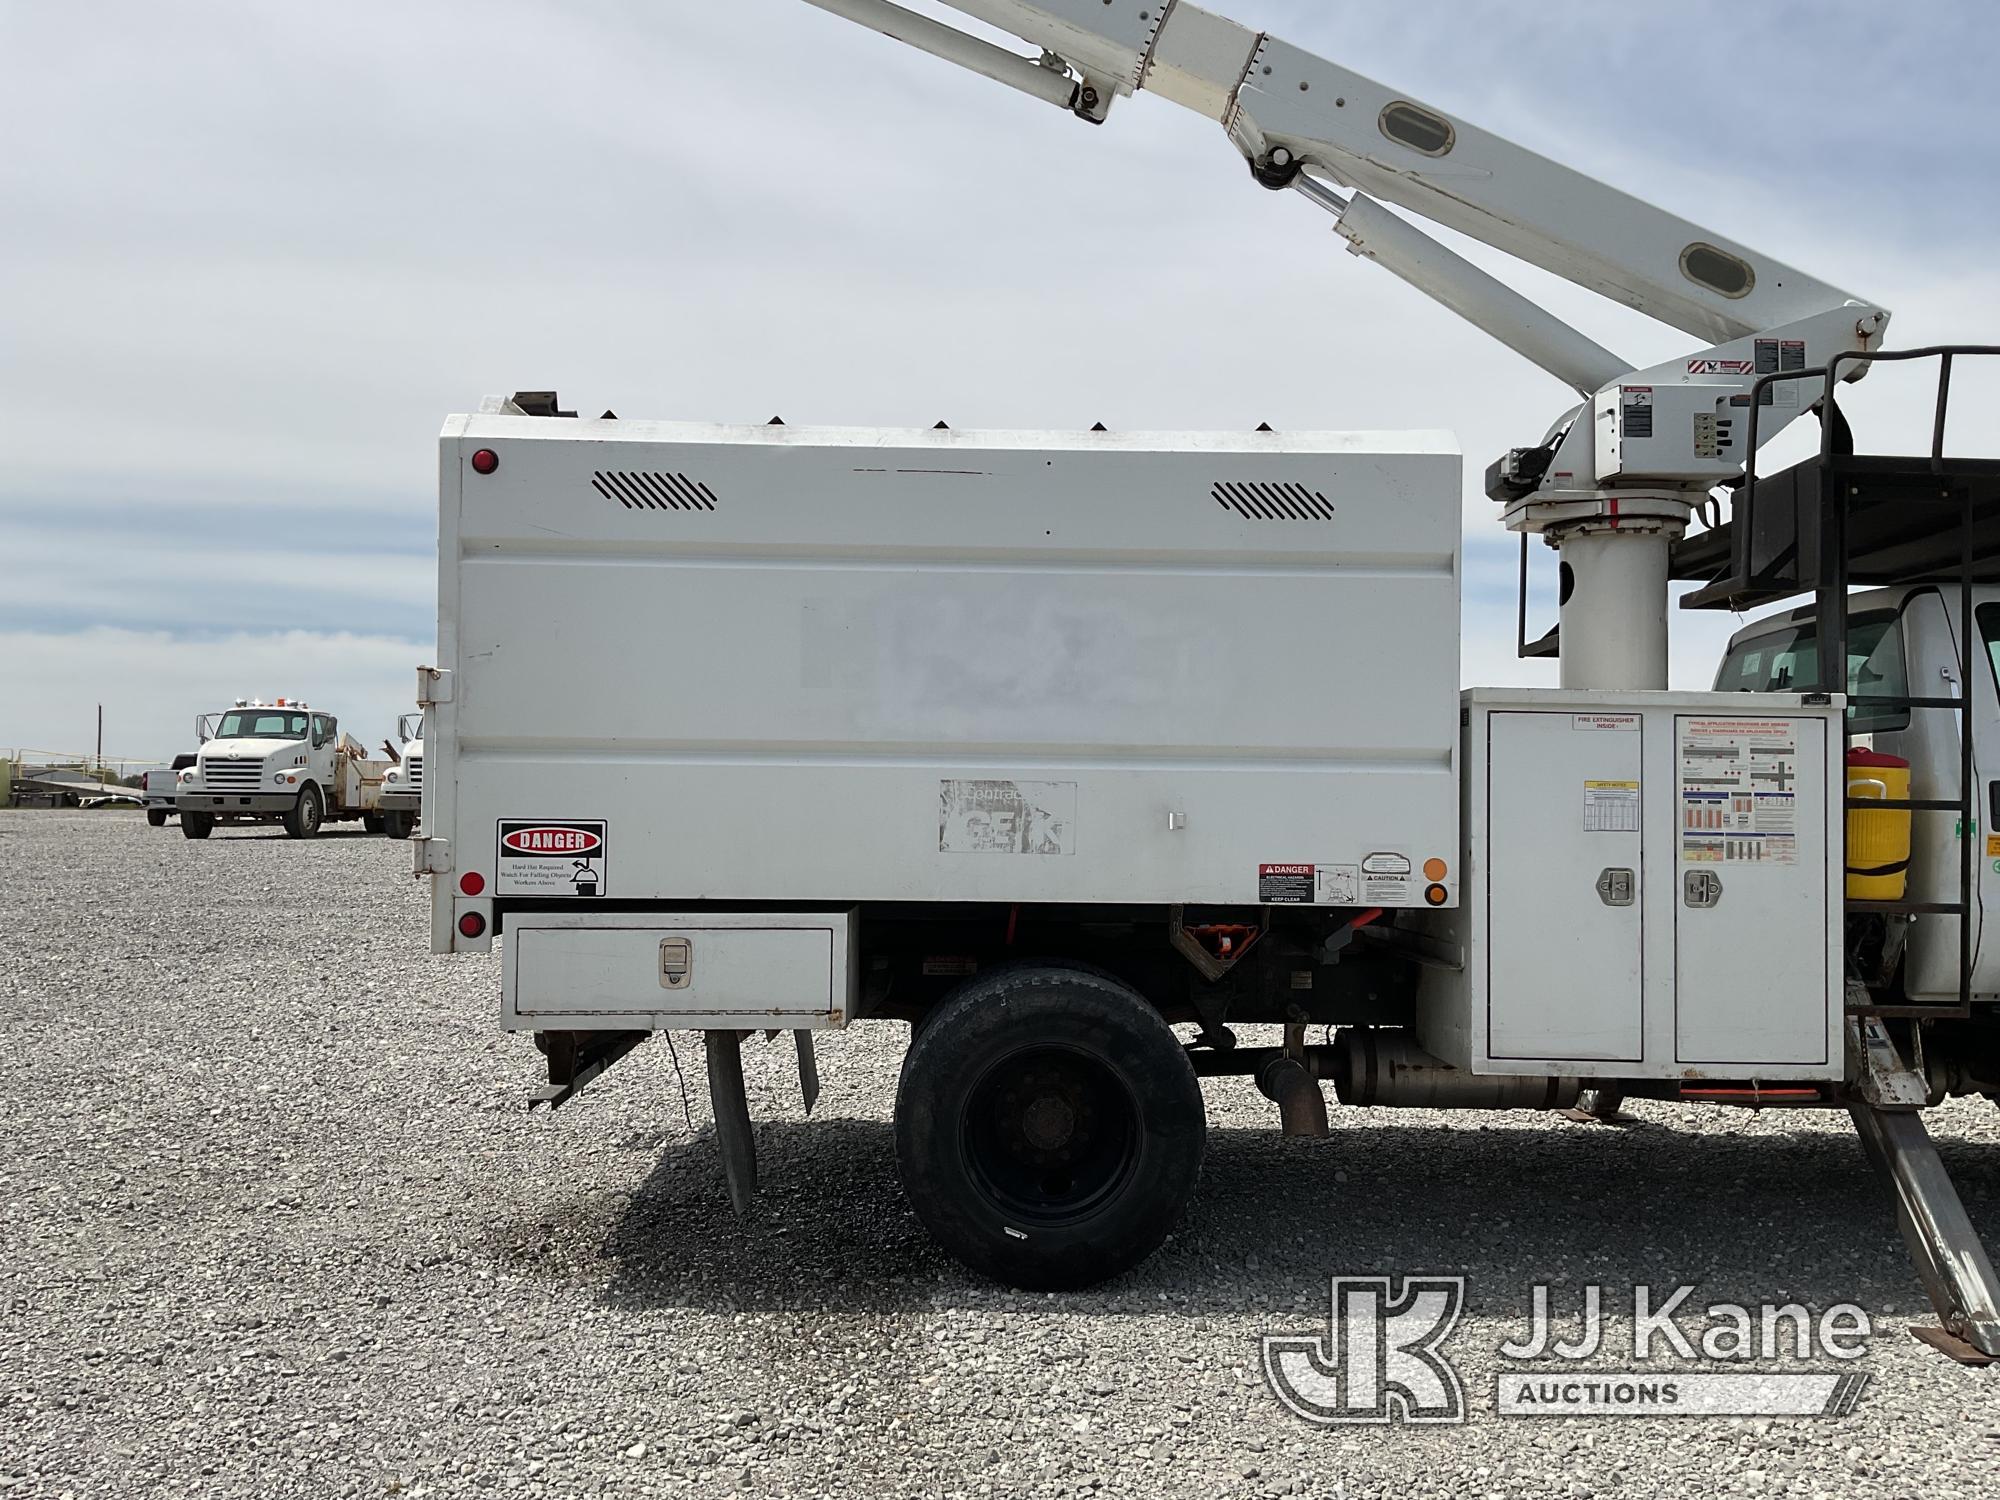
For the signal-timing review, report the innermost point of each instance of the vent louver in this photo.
(1257, 500)
(637, 489)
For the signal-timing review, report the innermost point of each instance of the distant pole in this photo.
(100, 739)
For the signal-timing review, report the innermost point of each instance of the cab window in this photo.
(1988, 616)
(322, 730)
(1785, 659)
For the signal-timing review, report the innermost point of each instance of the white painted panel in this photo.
(1564, 978)
(1752, 974)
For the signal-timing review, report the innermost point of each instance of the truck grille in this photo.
(232, 775)
(413, 768)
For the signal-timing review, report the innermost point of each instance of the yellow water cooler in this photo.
(1878, 839)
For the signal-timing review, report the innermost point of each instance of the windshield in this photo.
(261, 724)
(1785, 659)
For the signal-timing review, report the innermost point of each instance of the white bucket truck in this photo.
(1045, 745)
(282, 762)
(403, 782)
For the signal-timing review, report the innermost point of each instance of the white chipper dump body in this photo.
(944, 667)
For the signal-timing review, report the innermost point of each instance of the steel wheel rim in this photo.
(1050, 1134)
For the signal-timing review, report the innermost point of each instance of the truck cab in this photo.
(403, 782)
(281, 762)
(1903, 642)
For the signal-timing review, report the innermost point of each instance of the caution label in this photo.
(1386, 877)
(551, 857)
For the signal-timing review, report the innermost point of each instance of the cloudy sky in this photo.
(254, 253)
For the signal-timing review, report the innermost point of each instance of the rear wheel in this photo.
(303, 821)
(157, 816)
(196, 825)
(1048, 1127)
(371, 822)
(399, 825)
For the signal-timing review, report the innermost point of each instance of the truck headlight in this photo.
(392, 774)
(187, 776)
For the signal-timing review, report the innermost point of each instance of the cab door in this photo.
(1930, 742)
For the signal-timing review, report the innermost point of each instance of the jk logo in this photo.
(1378, 1360)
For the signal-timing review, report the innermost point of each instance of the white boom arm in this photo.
(1624, 468)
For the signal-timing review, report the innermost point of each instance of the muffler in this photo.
(1389, 1070)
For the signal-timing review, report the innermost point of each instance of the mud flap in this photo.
(808, 1069)
(731, 1108)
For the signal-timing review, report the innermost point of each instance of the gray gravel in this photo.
(277, 1225)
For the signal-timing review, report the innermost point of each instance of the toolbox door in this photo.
(1754, 961)
(1564, 971)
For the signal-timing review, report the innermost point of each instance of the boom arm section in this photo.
(1284, 106)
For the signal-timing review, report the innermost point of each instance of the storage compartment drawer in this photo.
(660, 971)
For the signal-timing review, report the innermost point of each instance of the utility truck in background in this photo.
(159, 793)
(282, 762)
(1047, 744)
(403, 782)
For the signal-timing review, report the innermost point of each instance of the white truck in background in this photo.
(281, 762)
(403, 782)
(158, 796)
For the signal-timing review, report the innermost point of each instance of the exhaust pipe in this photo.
(1389, 1070)
(1287, 1082)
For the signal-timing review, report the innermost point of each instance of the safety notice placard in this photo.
(551, 857)
(1611, 807)
(1739, 791)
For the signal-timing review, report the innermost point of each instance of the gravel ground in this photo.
(276, 1224)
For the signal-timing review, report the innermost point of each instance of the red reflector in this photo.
(472, 924)
(472, 882)
(485, 460)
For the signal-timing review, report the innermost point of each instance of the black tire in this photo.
(1049, 1129)
(371, 822)
(196, 825)
(399, 825)
(157, 816)
(303, 821)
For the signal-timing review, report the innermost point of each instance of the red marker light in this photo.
(485, 461)
(472, 924)
(472, 882)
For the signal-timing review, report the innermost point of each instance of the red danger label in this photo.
(1285, 885)
(551, 841)
(552, 857)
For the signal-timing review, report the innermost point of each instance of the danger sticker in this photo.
(1285, 885)
(550, 857)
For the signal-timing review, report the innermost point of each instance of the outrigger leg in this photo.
(1952, 1262)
